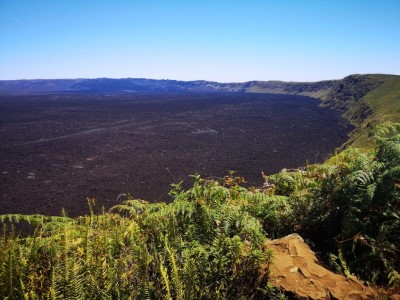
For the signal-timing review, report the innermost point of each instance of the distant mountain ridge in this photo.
(324, 90)
(319, 89)
(129, 85)
(340, 94)
(365, 100)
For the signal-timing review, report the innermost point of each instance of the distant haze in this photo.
(224, 41)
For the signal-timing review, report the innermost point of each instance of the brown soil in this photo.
(56, 150)
(296, 271)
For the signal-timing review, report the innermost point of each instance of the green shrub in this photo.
(204, 245)
(349, 207)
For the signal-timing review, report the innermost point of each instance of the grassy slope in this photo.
(385, 103)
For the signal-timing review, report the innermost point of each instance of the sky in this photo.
(225, 41)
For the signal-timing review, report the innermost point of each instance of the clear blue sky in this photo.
(299, 40)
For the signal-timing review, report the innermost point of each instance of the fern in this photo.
(166, 281)
(209, 242)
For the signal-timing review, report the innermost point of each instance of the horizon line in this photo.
(197, 80)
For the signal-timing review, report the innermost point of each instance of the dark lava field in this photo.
(56, 150)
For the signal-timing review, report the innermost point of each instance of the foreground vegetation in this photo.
(209, 242)
(349, 208)
(202, 245)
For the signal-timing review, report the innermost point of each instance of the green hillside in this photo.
(384, 102)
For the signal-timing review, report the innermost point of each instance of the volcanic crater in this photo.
(58, 149)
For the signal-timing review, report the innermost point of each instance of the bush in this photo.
(204, 245)
(349, 207)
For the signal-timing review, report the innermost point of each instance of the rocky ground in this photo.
(56, 150)
(296, 271)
